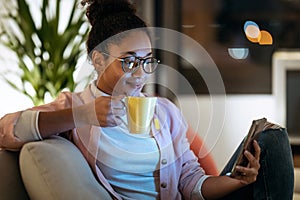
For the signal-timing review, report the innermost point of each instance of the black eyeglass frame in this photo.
(138, 61)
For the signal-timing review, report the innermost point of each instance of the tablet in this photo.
(256, 127)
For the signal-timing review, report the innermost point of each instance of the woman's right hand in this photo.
(104, 111)
(109, 110)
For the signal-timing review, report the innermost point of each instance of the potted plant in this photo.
(47, 54)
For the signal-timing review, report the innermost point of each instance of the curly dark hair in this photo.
(108, 18)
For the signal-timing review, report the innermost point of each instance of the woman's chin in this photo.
(133, 93)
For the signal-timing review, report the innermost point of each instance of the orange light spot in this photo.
(266, 38)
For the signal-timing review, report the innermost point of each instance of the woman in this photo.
(92, 119)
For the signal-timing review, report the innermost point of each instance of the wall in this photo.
(11, 100)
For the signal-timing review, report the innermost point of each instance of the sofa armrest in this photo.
(204, 156)
(11, 185)
(55, 169)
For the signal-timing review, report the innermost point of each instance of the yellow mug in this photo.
(140, 111)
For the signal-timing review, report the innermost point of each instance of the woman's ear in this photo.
(98, 61)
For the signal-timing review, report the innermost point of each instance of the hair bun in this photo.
(100, 9)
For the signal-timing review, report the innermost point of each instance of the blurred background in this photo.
(240, 37)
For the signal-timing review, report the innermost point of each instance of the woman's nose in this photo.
(139, 72)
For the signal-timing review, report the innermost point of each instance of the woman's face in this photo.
(113, 80)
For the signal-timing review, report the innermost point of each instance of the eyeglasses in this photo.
(131, 63)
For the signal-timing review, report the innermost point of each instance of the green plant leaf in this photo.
(41, 51)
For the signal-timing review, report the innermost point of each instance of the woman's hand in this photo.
(104, 111)
(249, 173)
(7, 139)
(220, 186)
(108, 110)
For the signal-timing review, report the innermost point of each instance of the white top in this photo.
(129, 161)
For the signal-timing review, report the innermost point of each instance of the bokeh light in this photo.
(252, 31)
(266, 38)
(238, 53)
(255, 35)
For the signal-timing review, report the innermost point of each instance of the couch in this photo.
(56, 170)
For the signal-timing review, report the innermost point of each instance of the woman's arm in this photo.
(219, 186)
(20, 127)
(54, 122)
(100, 112)
(58, 117)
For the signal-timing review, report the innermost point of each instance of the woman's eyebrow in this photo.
(134, 53)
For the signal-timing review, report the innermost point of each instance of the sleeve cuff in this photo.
(196, 193)
(26, 128)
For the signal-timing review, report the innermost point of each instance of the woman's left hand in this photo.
(7, 139)
(249, 173)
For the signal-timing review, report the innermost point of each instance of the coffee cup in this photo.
(140, 111)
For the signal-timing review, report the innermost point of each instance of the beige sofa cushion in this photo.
(55, 169)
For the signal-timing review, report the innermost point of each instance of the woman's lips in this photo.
(137, 85)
